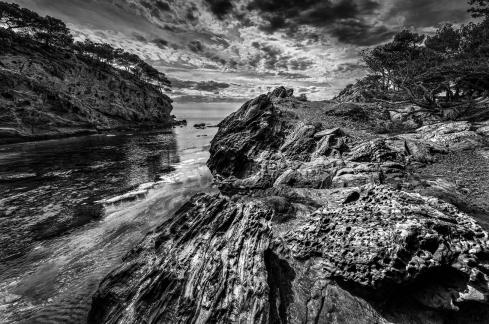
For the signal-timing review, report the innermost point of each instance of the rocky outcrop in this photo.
(52, 93)
(361, 91)
(314, 224)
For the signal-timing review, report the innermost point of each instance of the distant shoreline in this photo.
(24, 138)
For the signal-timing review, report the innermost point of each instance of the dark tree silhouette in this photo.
(479, 8)
(53, 32)
(117, 57)
(26, 25)
(447, 70)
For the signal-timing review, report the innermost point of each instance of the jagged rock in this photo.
(204, 265)
(404, 235)
(327, 132)
(247, 132)
(454, 135)
(282, 92)
(483, 131)
(310, 227)
(264, 144)
(221, 261)
(358, 93)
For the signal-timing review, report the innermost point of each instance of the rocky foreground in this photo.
(51, 92)
(323, 217)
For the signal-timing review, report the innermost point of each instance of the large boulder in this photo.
(222, 261)
(314, 224)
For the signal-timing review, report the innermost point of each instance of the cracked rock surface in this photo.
(319, 219)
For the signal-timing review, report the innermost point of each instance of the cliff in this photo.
(51, 92)
(320, 219)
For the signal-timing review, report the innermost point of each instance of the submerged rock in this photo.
(311, 226)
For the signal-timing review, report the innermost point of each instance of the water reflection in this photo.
(50, 187)
(64, 223)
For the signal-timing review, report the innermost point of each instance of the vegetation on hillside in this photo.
(19, 25)
(448, 70)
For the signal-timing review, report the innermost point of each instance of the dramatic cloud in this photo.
(250, 46)
(160, 42)
(220, 7)
(301, 64)
(208, 86)
(319, 13)
(361, 34)
(196, 46)
(162, 5)
(429, 12)
(211, 86)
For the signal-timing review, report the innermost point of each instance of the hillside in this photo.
(52, 86)
(47, 92)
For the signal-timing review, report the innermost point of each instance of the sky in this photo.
(225, 50)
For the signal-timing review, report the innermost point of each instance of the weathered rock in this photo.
(454, 135)
(483, 131)
(221, 261)
(282, 92)
(243, 135)
(205, 265)
(314, 229)
(328, 132)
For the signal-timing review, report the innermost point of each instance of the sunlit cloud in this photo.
(252, 45)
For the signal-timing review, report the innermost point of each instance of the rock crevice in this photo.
(319, 220)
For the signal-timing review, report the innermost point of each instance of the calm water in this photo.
(70, 209)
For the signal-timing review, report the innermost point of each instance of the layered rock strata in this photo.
(315, 223)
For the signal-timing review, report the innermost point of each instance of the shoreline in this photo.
(147, 128)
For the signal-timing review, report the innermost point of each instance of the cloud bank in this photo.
(234, 49)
